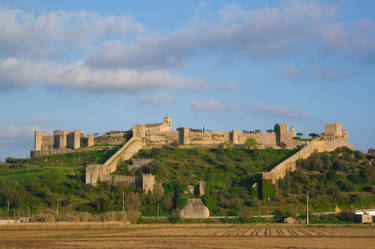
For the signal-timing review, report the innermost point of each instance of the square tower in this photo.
(38, 140)
(76, 139)
(333, 129)
(148, 182)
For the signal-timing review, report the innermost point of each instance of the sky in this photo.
(106, 65)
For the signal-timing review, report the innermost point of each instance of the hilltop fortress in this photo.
(146, 136)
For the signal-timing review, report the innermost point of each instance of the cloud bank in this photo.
(87, 51)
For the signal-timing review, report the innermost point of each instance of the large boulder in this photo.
(194, 209)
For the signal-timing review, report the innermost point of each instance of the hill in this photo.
(342, 178)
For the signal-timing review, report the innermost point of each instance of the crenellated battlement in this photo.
(161, 134)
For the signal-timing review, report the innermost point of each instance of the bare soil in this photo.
(118, 235)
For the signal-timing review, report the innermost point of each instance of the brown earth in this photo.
(118, 235)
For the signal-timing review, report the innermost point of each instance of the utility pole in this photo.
(123, 200)
(307, 208)
(258, 209)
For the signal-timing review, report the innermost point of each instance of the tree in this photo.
(276, 129)
(299, 134)
(245, 213)
(132, 204)
(314, 135)
(371, 152)
(333, 191)
(269, 130)
(250, 143)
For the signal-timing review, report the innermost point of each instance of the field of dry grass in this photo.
(117, 235)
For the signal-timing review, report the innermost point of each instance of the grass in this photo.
(191, 165)
(78, 159)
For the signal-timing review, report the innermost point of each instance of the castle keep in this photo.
(61, 141)
(146, 136)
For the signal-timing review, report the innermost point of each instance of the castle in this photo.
(146, 136)
(61, 141)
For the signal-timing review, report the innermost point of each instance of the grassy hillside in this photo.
(228, 174)
(344, 178)
(40, 183)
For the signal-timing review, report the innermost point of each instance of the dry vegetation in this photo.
(119, 235)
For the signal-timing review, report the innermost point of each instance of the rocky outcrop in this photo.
(194, 209)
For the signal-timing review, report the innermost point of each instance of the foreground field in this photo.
(116, 235)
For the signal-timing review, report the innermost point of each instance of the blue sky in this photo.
(222, 65)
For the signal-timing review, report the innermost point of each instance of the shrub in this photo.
(245, 213)
(181, 202)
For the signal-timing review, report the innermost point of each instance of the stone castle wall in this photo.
(207, 138)
(47, 152)
(47, 143)
(115, 138)
(161, 138)
(264, 140)
(96, 172)
(160, 134)
(317, 145)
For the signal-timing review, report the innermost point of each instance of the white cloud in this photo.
(32, 45)
(20, 73)
(155, 52)
(157, 98)
(27, 34)
(279, 111)
(282, 30)
(11, 131)
(211, 105)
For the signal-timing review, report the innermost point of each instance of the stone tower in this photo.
(38, 140)
(148, 182)
(167, 121)
(333, 129)
(292, 131)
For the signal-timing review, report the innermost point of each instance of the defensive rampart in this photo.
(96, 172)
(316, 145)
(48, 152)
(264, 140)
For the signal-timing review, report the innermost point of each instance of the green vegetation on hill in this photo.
(228, 173)
(37, 184)
(215, 165)
(78, 159)
(344, 178)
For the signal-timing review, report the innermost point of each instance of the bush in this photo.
(278, 215)
(245, 213)
(115, 216)
(181, 202)
(333, 191)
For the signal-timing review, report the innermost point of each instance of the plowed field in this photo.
(116, 235)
